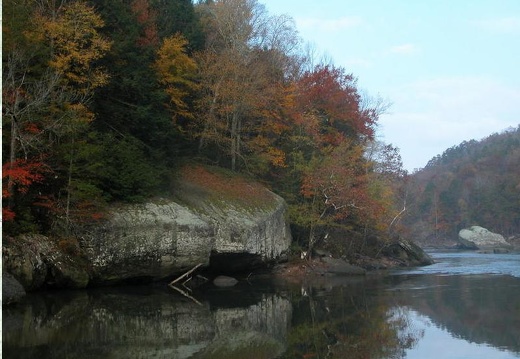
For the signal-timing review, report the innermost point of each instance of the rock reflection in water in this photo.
(144, 323)
(373, 317)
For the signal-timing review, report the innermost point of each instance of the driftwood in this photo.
(185, 293)
(185, 275)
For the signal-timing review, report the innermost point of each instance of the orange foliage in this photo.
(147, 18)
(176, 71)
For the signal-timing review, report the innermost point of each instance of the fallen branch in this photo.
(185, 274)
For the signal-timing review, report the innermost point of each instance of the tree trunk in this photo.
(69, 188)
(12, 158)
(211, 116)
(234, 140)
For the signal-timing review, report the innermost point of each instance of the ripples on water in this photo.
(469, 263)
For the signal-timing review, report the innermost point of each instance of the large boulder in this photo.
(163, 238)
(227, 223)
(407, 253)
(477, 237)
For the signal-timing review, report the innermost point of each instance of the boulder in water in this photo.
(477, 237)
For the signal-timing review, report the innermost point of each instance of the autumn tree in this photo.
(26, 89)
(48, 90)
(325, 152)
(236, 71)
(176, 71)
(473, 183)
(387, 185)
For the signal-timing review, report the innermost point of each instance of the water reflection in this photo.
(144, 323)
(412, 315)
(350, 319)
(479, 309)
(439, 343)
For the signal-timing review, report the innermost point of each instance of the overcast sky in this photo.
(450, 68)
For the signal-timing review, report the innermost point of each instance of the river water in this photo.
(467, 305)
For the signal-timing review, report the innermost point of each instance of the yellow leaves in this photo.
(82, 114)
(176, 70)
(76, 44)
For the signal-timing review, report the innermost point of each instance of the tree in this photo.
(325, 153)
(238, 77)
(177, 71)
(335, 185)
(76, 45)
(49, 78)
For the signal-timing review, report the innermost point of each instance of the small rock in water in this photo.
(224, 281)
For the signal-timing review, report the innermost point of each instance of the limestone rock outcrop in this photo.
(159, 239)
(477, 237)
(198, 224)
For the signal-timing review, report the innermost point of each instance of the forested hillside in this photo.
(103, 100)
(474, 183)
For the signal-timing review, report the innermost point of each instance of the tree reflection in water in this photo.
(367, 317)
(348, 321)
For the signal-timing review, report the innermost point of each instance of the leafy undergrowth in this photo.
(203, 183)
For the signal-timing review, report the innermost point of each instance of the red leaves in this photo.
(7, 215)
(22, 173)
(327, 98)
(147, 18)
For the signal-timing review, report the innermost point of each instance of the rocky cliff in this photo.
(217, 219)
(157, 240)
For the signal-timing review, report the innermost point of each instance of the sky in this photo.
(450, 68)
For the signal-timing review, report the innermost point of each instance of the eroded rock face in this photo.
(480, 238)
(148, 241)
(36, 261)
(157, 240)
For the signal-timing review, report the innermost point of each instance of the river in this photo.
(467, 305)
